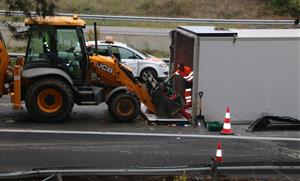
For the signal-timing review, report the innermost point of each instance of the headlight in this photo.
(163, 65)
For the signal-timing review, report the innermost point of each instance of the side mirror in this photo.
(20, 61)
(115, 58)
(90, 51)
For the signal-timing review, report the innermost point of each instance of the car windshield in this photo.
(140, 52)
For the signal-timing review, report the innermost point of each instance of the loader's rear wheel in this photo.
(49, 100)
(124, 107)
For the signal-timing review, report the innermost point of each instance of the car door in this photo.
(127, 57)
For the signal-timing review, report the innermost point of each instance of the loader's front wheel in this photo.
(124, 107)
(49, 100)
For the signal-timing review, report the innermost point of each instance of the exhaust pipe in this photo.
(95, 36)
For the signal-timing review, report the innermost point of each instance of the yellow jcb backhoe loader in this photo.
(58, 71)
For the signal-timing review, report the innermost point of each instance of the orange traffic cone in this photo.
(227, 125)
(219, 158)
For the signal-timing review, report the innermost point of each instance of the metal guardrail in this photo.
(15, 55)
(169, 20)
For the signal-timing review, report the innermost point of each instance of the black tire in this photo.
(61, 100)
(124, 107)
(147, 71)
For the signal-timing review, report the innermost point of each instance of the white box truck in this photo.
(252, 71)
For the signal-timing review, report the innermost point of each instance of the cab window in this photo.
(39, 48)
(69, 51)
(103, 50)
(122, 53)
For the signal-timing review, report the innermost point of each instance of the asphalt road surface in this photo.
(92, 140)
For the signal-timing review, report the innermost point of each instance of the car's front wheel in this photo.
(146, 73)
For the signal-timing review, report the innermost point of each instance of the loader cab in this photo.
(60, 46)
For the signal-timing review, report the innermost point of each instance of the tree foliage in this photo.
(41, 7)
(30, 8)
(286, 7)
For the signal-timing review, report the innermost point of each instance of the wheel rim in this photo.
(145, 73)
(49, 100)
(125, 107)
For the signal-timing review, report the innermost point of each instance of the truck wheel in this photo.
(147, 71)
(124, 107)
(49, 100)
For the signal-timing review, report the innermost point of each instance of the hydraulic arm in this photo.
(158, 98)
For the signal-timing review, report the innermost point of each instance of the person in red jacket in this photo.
(187, 74)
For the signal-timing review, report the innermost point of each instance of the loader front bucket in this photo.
(167, 101)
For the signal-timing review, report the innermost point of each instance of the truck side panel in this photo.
(252, 75)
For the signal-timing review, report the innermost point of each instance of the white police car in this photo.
(140, 63)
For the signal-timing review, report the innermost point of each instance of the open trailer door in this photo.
(185, 48)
